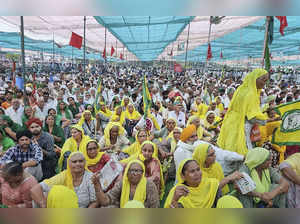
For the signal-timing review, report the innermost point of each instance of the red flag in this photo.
(177, 67)
(221, 55)
(76, 40)
(283, 24)
(112, 51)
(121, 56)
(209, 53)
(104, 53)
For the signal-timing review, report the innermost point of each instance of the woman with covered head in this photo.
(114, 139)
(55, 131)
(244, 111)
(27, 115)
(271, 187)
(201, 132)
(90, 125)
(9, 127)
(77, 142)
(205, 155)
(211, 123)
(132, 117)
(118, 116)
(104, 115)
(133, 186)
(76, 177)
(15, 185)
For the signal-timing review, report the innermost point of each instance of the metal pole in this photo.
(23, 59)
(84, 19)
(268, 18)
(53, 49)
(105, 45)
(209, 34)
(72, 58)
(187, 46)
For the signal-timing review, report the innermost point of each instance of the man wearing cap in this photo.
(46, 142)
(26, 152)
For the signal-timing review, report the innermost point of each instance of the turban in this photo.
(34, 120)
(187, 132)
(26, 133)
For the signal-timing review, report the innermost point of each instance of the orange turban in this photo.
(187, 132)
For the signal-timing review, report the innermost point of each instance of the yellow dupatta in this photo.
(62, 197)
(134, 148)
(254, 158)
(229, 201)
(214, 171)
(82, 119)
(135, 115)
(155, 123)
(244, 104)
(173, 142)
(220, 106)
(115, 117)
(107, 131)
(71, 144)
(202, 196)
(200, 130)
(215, 123)
(294, 161)
(107, 113)
(140, 192)
(94, 161)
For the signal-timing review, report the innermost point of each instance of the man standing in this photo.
(46, 143)
(26, 152)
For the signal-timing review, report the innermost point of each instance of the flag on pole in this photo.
(76, 40)
(267, 60)
(206, 97)
(209, 53)
(289, 131)
(112, 51)
(121, 56)
(283, 24)
(104, 53)
(221, 55)
(98, 94)
(146, 98)
(177, 67)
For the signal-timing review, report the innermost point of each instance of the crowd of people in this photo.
(63, 138)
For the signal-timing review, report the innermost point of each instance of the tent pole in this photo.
(72, 58)
(53, 49)
(105, 45)
(23, 59)
(84, 30)
(187, 46)
(268, 18)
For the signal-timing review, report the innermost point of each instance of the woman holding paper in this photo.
(271, 187)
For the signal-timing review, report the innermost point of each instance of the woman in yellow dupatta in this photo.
(77, 142)
(91, 161)
(205, 155)
(201, 132)
(220, 105)
(104, 110)
(245, 104)
(193, 189)
(131, 113)
(118, 116)
(82, 118)
(62, 197)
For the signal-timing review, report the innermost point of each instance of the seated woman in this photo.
(64, 112)
(135, 148)
(57, 117)
(76, 178)
(104, 115)
(90, 125)
(118, 116)
(77, 142)
(125, 102)
(132, 117)
(134, 186)
(5, 143)
(211, 124)
(62, 197)
(56, 131)
(219, 105)
(9, 127)
(193, 190)
(15, 186)
(27, 115)
(271, 187)
(114, 139)
(290, 169)
(201, 132)
(205, 155)
(74, 108)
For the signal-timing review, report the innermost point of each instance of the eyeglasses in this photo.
(135, 171)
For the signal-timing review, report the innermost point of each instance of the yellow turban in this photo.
(187, 132)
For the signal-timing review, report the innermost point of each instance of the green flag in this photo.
(146, 97)
(267, 57)
(96, 102)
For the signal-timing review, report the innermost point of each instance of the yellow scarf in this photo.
(107, 113)
(200, 130)
(215, 123)
(229, 201)
(202, 196)
(71, 144)
(89, 161)
(135, 115)
(134, 148)
(140, 192)
(173, 141)
(294, 161)
(62, 197)
(220, 106)
(115, 117)
(155, 123)
(254, 158)
(107, 131)
(82, 119)
(214, 171)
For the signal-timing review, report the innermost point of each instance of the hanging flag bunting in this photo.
(112, 51)
(283, 24)
(76, 40)
(104, 53)
(209, 53)
(177, 67)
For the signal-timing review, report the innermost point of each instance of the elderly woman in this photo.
(132, 117)
(76, 178)
(27, 115)
(134, 186)
(194, 190)
(77, 142)
(201, 132)
(104, 115)
(290, 169)
(211, 124)
(114, 139)
(135, 148)
(90, 125)
(244, 111)
(118, 116)
(270, 185)
(15, 186)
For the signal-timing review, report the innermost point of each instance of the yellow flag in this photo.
(289, 131)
